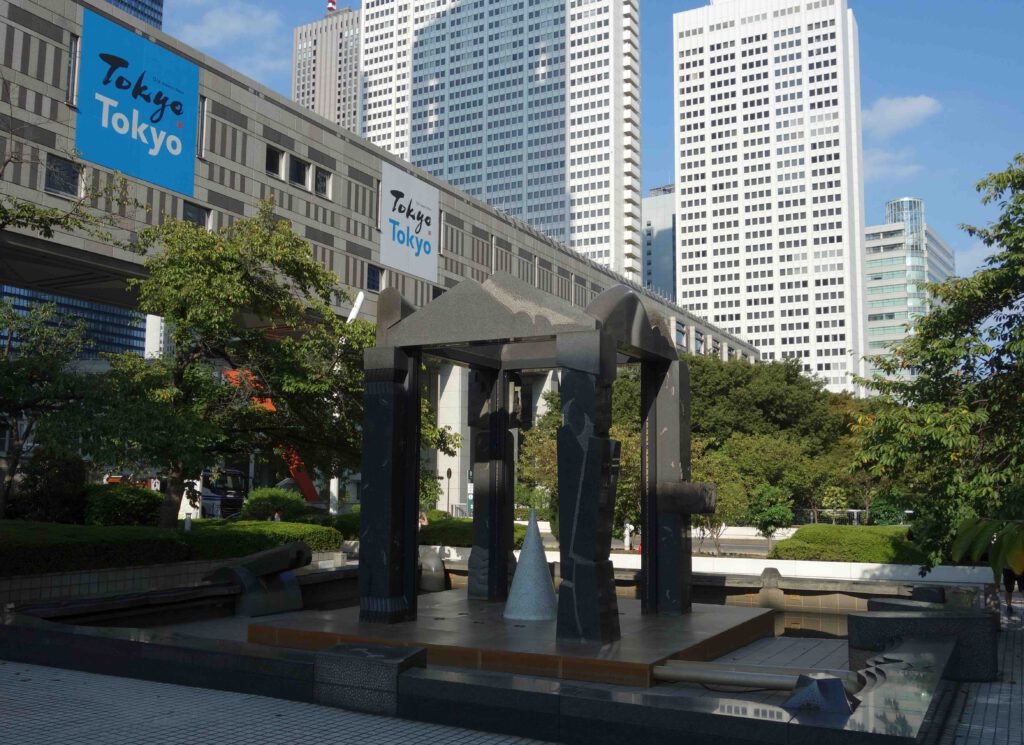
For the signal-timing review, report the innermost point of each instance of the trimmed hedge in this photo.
(224, 539)
(872, 544)
(261, 504)
(117, 504)
(458, 531)
(38, 548)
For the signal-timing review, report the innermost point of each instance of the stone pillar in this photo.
(665, 560)
(492, 446)
(588, 465)
(388, 545)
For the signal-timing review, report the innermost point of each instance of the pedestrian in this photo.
(277, 516)
(1010, 577)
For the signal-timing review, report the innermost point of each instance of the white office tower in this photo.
(768, 167)
(900, 256)
(534, 107)
(325, 66)
(659, 219)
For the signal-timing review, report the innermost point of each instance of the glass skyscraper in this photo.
(109, 328)
(150, 11)
(900, 256)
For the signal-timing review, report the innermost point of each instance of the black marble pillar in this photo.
(493, 456)
(665, 561)
(587, 473)
(388, 545)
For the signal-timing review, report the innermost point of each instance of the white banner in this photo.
(410, 224)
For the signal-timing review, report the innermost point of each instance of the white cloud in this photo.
(254, 40)
(889, 116)
(970, 259)
(889, 165)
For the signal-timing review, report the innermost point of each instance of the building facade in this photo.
(533, 107)
(659, 219)
(325, 67)
(899, 256)
(238, 144)
(769, 212)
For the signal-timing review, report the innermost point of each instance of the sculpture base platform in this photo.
(459, 632)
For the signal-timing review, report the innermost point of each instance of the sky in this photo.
(942, 91)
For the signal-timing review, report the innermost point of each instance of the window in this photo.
(275, 159)
(62, 176)
(298, 172)
(374, 278)
(201, 128)
(73, 54)
(196, 214)
(322, 182)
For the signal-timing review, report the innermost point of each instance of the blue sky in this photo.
(942, 89)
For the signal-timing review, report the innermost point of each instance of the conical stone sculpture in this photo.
(532, 597)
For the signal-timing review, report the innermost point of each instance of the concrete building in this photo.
(659, 218)
(239, 142)
(534, 108)
(898, 256)
(325, 66)
(768, 168)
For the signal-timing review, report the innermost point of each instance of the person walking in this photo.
(1011, 578)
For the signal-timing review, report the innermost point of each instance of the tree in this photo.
(950, 433)
(731, 506)
(433, 439)
(770, 509)
(38, 388)
(538, 455)
(260, 361)
(834, 500)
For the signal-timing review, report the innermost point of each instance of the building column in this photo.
(453, 411)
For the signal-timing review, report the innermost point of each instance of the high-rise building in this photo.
(899, 256)
(325, 66)
(107, 328)
(769, 210)
(659, 219)
(150, 11)
(534, 107)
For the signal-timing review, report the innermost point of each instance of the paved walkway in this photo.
(49, 706)
(993, 713)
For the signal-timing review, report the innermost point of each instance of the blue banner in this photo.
(137, 106)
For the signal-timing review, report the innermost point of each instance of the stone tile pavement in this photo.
(993, 713)
(49, 706)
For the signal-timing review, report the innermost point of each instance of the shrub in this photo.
(52, 490)
(348, 526)
(116, 504)
(433, 515)
(36, 547)
(223, 539)
(458, 531)
(886, 513)
(881, 544)
(263, 503)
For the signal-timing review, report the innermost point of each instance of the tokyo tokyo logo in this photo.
(137, 106)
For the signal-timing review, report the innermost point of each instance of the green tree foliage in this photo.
(770, 509)
(260, 361)
(715, 467)
(735, 397)
(433, 439)
(951, 435)
(39, 390)
(835, 501)
(538, 455)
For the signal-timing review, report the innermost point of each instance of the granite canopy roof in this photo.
(506, 322)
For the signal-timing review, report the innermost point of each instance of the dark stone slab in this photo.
(363, 678)
(493, 702)
(975, 655)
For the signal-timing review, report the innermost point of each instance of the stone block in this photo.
(363, 677)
